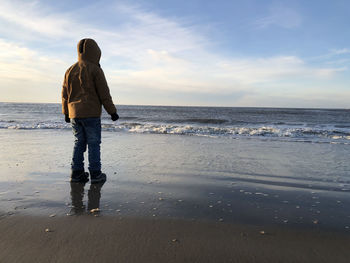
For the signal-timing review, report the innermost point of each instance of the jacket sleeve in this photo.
(64, 97)
(103, 92)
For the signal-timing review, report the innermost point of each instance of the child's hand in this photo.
(114, 116)
(66, 118)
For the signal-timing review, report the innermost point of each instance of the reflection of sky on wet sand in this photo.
(253, 181)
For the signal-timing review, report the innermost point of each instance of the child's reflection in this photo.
(77, 195)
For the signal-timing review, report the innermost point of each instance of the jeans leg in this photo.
(79, 145)
(93, 136)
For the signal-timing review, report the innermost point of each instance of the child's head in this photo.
(89, 50)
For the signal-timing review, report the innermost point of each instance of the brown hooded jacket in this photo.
(85, 88)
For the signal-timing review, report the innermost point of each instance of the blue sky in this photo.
(158, 52)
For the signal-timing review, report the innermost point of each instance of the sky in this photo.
(238, 53)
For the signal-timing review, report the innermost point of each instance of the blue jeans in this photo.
(87, 132)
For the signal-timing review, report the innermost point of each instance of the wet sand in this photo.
(111, 239)
(259, 182)
(165, 197)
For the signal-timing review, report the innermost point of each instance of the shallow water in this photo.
(248, 180)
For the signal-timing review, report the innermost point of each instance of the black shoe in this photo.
(79, 176)
(97, 177)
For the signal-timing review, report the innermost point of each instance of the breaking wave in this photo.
(330, 134)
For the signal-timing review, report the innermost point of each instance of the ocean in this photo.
(302, 125)
(262, 166)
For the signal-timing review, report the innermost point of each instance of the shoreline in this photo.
(110, 239)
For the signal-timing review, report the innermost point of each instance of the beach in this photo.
(108, 239)
(224, 129)
(160, 205)
(173, 197)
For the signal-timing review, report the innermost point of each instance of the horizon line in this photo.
(197, 106)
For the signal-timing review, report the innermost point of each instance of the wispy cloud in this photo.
(27, 75)
(147, 52)
(21, 63)
(34, 17)
(337, 57)
(279, 16)
(341, 51)
(216, 74)
(147, 31)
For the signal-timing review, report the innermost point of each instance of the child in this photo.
(84, 92)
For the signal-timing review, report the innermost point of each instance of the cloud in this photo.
(339, 57)
(340, 51)
(279, 16)
(140, 30)
(217, 75)
(32, 16)
(146, 31)
(27, 75)
(315, 99)
(22, 63)
(147, 52)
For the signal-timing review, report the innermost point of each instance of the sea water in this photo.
(308, 125)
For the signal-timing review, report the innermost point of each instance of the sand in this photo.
(245, 182)
(111, 239)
